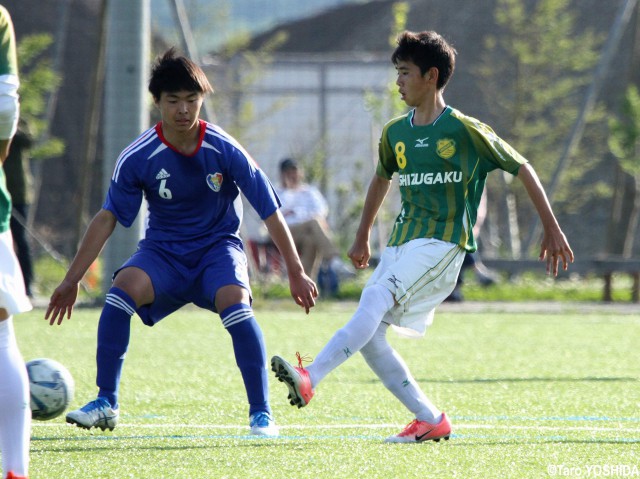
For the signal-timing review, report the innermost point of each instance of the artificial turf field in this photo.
(548, 392)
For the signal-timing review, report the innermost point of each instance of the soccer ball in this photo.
(51, 386)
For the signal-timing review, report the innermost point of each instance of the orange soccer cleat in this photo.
(296, 378)
(420, 431)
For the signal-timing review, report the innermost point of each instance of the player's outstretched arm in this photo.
(65, 295)
(554, 246)
(360, 251)
(303, 289)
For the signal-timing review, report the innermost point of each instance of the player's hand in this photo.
(360, 253)
(555, 249)
(61, 302)
(304, 291)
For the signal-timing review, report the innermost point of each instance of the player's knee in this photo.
(137, 284)
(377, 345)
(378, 297)
(231, 295)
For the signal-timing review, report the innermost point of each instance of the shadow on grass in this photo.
(466, 441)
(523, 380)
(308, 442)
(105, 443)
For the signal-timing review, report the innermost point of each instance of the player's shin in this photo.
(15, 415)
(376, 300)
(250, 352)
(113, 341)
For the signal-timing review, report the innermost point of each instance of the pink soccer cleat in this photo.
(420, 431)
(296, 378)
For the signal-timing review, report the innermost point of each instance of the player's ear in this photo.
(432, 74)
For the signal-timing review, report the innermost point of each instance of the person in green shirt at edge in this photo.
(15, 413)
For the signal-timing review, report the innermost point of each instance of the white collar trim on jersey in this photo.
(413, 112)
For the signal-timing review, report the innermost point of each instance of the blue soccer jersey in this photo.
(189, 197)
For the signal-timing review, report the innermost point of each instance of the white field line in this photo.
(360, 426)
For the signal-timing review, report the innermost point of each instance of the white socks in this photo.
(395, 375)
(365, 332)
(375, 301)
(15, 413)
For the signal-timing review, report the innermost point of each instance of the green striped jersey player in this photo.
(442, 168)
(442, 159)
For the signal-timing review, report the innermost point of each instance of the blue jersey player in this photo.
(190, 172)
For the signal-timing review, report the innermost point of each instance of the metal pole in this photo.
(126, 108)
(189, 46)
(92, 129)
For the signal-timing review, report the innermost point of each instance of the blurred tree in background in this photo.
(534, 73)
(624, 143)
(38, 81)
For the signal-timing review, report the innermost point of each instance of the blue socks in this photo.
(248, 345)
(250, 352)
(113, 341)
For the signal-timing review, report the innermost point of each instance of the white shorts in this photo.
(9, 106)
(13, 297)
(420, 274)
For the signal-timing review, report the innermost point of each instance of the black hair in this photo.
(427, 50)
(288, 164)
(173, 73)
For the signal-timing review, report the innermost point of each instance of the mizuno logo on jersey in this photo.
(420, 143)
(415, 179)
(162, 174)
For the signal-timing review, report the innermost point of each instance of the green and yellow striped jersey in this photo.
(8, 59)
(442, 169)
(8, 66)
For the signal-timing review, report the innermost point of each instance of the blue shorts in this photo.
(184, 278)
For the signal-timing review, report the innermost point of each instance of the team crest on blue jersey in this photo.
(446, 148)
(214, 181)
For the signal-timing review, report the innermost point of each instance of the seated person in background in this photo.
(305, 211)
(472, 261)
